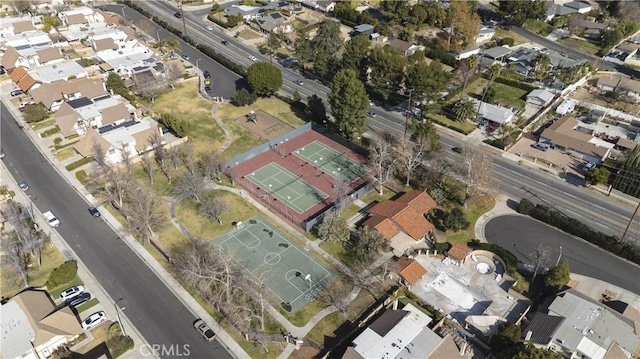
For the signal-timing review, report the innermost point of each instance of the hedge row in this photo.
(64, 274)
(49, 132)
(79, 163)
(217, 21)
(444, 57)
(573, 226)
(509, 258)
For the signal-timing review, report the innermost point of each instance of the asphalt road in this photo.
(152, 308)
(522, 236)
(513, 179)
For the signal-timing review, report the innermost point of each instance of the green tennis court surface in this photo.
(288, 188)
(335, 164)
(292, 275)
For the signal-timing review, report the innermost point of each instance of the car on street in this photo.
(93, 320)
(209, 27)
(371, 103)
(541, 146)
(78, 299)
(456, 149)
(206, 74)
(204, 330)
(15, 93)
(207, 88)
(185, 56)
(71, 292)
(299, 82)
(51, 219)
(94, 212)
(2, 153)
(2, 70)
(371, 114)
(252, 58)
(178, 15)
(207, 82)
(225, 42)
(23, 185)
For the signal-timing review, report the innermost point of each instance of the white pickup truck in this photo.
(53, 220)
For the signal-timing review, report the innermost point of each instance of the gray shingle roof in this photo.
(542, 326)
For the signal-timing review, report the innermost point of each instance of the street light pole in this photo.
(124, 18)
(115, 304)
(197, 64)
(158, 34)
(559, 256)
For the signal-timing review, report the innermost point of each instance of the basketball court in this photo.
(293, 276)
(335, 164)
(286, 187)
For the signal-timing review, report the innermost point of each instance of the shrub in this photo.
(244, 98)
(442, 247)
(57, 140)
(456, 220)
(509, 41)
(82, 176)
(49, 132)
(64, 274)
(35, 113)
(525, 206)
(119, 345)
(79, 163)
(178, 126)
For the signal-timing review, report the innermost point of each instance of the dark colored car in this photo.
(94, 212)
(206, 74)
(207, 88)
(456, 149)
(79, 299)
(225, 42)
(178, 15)
(15, 93)
(371, 114)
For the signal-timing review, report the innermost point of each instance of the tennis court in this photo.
(336, 164)
(288, 188)
(293, 276)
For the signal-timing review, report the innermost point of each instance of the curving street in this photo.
(522, 235)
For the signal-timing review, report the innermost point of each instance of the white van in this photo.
(53, 220)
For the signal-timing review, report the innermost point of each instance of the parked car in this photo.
(299, 82)
(207, 88)
(2, 70)
(78, 299)
(93, 320)
(178, 15)
(209, 27)
(483, 125)
(371, 114)
(541, 146)
(204, 329)
(71, 292)
(207, 82)
(225, 42)
(589, 166)
(15, 93)
(25, 105)
(2, 153)
(23, 185)
(51, 219)
(185, 56)
(252, 58)
(206, 74)
(94, 212)
(456, 149)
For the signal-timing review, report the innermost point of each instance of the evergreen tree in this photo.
(349, 102)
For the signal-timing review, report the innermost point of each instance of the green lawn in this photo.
(581, 45)
(517, 39)
(55, 292)
(473, 89)
(477, 207)
(87, 305)
(510, 96)
(538, 26)
(336, 249)
(65, 154)
(42, 124)
(465, 127)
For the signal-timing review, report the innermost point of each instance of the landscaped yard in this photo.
(473, 89)
(42, 124)
(476, 207)
(373, 195)
(247, 34)
(517, 39)
(38, 276)
(184, 102)
(465, 127)
(65, 154)
(538, 26)
(510, 96)
(580, 45)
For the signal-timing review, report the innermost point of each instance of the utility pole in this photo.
(408, 114)
(184, 23)
(633, 216)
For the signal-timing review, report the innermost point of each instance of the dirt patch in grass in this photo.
(583, 94)
(265, 125)
(12, 281)
(184, 102)
(477, 207)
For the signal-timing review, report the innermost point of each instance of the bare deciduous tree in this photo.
(410, 156)
(381, 156)
(210, 164)
(190, 184)
(149, 90)
(333, 228)
(213, 208)
(336, 294)
(540, 257)
(476, 173)
(143, 214)
(173, 153)
(187, 157)
(172, 73)
(147, 165)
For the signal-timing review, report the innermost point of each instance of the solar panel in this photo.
(80, 102)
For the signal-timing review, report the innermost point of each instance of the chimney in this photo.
(528, 336)
(395, 304)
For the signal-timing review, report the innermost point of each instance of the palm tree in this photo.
(469, 68)
(464, 110)
(543, 64)
(494, 71)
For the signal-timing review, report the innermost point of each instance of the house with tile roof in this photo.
(22, 79)
(409, 270)
(459, 252)
(577, 326)
(32, 327)
(402, 333)
(401, 221)
(53, 95)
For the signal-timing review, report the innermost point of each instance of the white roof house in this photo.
(567, 106)
(540, 97)
(90, 16)
(92, 31)
(33, 38)
(10, 26)
(56, 72)
(494, 113)
(127, 61)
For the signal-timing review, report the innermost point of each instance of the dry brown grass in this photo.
(12, 282)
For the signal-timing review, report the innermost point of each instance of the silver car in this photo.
(204, 329)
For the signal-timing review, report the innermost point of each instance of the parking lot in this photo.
(553, 159)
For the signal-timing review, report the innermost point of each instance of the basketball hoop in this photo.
(308, 278)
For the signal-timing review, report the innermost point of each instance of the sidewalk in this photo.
(222, 336)
(107, 304)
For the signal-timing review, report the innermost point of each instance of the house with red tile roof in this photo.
(459, 252)
(402, 221)
(409, 270)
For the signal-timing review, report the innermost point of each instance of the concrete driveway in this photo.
(553, 159)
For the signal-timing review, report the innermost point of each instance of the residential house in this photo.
(621, 84)
(540, 97)
(272, 22)
(496, 54)
(325, 5)
(62, 71)
(104, 44)
(402, 333)
(22, 79)
(566, 134)
(459, 252)
(580, 6)
(11, 26)
(31, 56)
(129, 138)
(401, 221)
(52, 96)
(627, 50)
(80, 15)
(128, 61)
(363, 29)
(465, 53)
(33, 328)
(554, 10)
(407, 49)
(485, 34)
(609, 82)
(409, 270)
(78, 115)
(566, 107)
(247, 12)
(587, 28)
(494, 113)
(577, 326)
